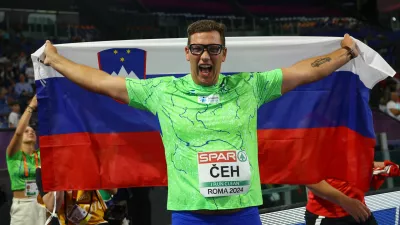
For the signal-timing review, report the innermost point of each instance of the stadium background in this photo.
(24, 25)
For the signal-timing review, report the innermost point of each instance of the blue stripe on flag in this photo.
(339, 100)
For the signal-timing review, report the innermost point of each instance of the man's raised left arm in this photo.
(317, 68)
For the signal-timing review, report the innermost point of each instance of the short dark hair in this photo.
(12, 103)
(206, 26)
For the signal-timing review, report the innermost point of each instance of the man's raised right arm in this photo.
(91, 79)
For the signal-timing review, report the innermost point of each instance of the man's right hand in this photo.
(82, 75)
(49, 50)
(356, 209)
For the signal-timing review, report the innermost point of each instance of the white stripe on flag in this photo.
(245, 54)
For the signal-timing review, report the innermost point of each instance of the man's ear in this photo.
(187, 53)
(224, 52)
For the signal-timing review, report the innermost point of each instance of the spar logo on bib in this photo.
(223, 173)
(213, 157)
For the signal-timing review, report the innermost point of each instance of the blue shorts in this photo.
(247, 216)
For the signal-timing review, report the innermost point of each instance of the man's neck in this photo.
(28, 148)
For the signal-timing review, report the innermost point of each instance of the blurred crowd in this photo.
(318, 22)
(17, 83)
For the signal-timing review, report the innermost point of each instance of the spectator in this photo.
(30, 73)
(4, 109)
(21, 61)
(73, 207)
(393, 106)
(14, 116)
(11, 96)
(3, 99)
(22, 161)
(7, 76)
(23, 88)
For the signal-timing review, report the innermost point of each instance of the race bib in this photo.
(31, 189)
(77, 215)
(223, 173)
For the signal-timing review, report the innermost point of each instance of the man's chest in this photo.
(212, 115)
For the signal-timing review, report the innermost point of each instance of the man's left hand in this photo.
(349, 42)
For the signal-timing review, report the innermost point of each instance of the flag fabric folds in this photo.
(317, 131)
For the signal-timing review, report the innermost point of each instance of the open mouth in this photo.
(205, 69)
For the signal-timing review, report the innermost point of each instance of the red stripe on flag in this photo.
(87, 161)
(302, 156)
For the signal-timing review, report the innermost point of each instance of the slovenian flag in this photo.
(317, 131)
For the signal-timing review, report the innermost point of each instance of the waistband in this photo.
(24, 199)
(242, 212)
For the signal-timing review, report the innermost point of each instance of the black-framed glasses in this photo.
(213, 49)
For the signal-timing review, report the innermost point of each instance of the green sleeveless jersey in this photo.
(209, 135)
(18, 173)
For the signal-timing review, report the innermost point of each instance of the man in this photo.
(215, 142)
(22, 87)
(336, 202)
